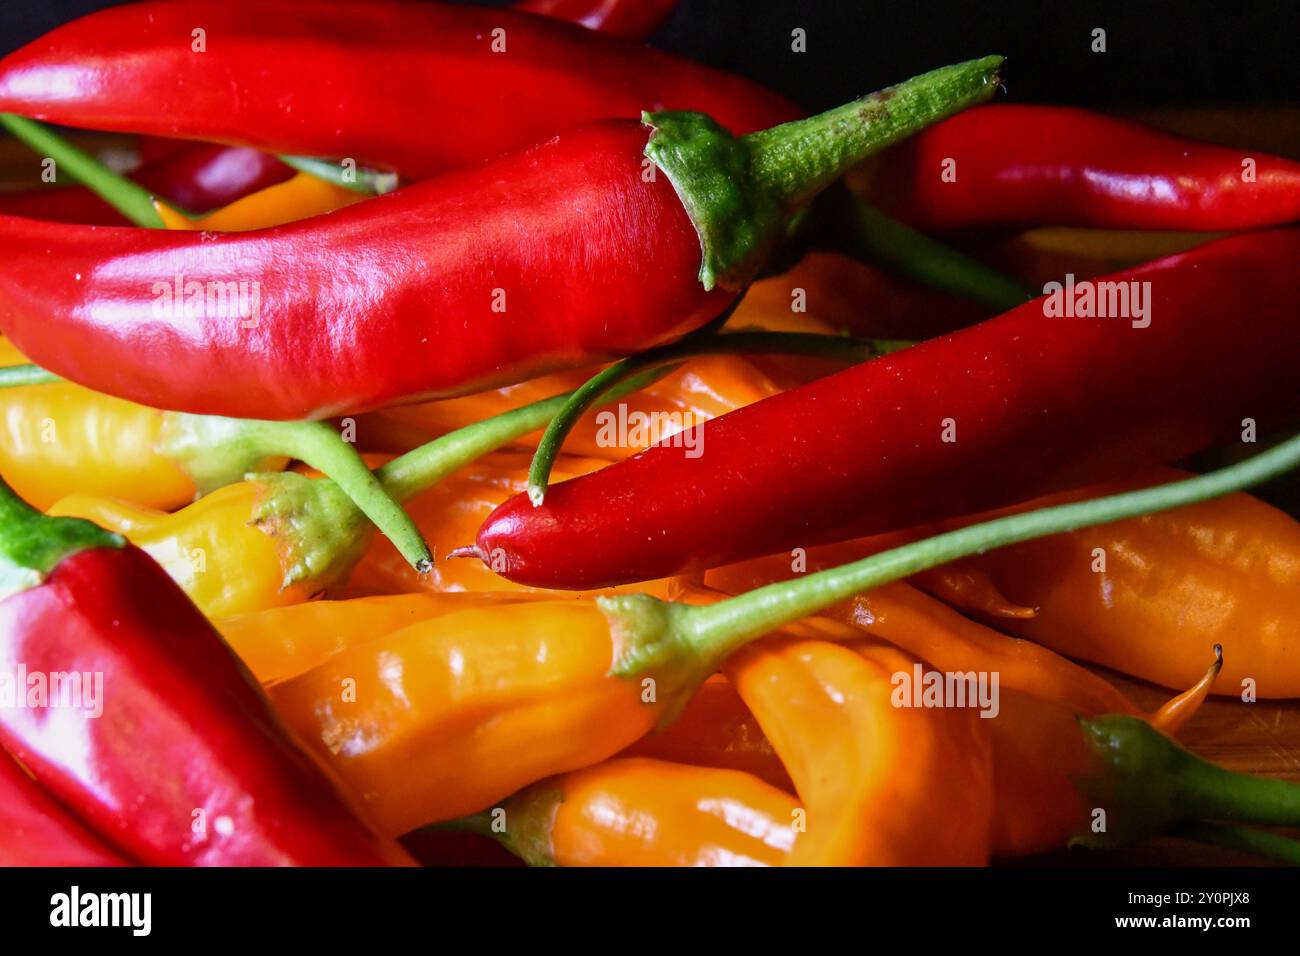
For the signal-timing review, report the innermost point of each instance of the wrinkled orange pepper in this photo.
(883, 785)
(639, 812)
(443, 718)
(1225, 571)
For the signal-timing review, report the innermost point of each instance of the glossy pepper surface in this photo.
(171, 700)
(1058, 401)
(639, 812)
(35, 830)
(882, 784)
(418, 88)
(1147, 596)
(1013, 165)
(456, 284)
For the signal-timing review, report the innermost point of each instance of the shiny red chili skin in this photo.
(196, 177)
(184, 728)
(633, 19)
(562, 255)
(394, 299)
(1037, 404)
(1016, 165)
(35, 830)
(415, 87)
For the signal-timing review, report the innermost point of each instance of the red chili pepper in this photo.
(989, 415)
(196, 177)
(415, 87)
(133, 712)
(634, 19)
(36, 831)
(455, 284)
(1013, 165)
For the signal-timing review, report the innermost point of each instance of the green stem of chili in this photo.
(873, 237)
(130, 199)
(1247, 839)
(712, 632)
(368, 181)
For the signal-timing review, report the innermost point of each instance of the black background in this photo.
(1177, 51)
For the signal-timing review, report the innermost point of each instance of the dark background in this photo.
(1191, 51)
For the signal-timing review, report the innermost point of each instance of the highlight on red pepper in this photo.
(165, 747)
(671, 217)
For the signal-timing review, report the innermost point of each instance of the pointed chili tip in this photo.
(1218, 653)
(468, 551)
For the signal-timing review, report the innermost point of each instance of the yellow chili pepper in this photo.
(225, 563)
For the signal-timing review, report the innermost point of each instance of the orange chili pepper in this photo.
(1148, 596)
(638, 812)
(716, 729)
(445, 717)
(883, 785)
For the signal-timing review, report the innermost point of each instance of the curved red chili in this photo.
(1015, 165)
(36, 831)
(993, 414)
(415, 87)
(137, 717)
(194, 176)
(458, 283)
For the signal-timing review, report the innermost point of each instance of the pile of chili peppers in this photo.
(476, 421)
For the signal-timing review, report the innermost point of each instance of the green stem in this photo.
(1147, 782)
(795, 161)
(741, 192)
(1259, 842)
(845, 349)
(367, 181)
(31, 543)
(20, 376)
(130, 199)
(869, 235)
(708, 634)
(417, 470)
(321, 447)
